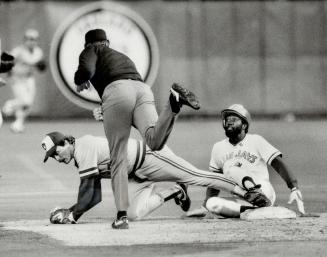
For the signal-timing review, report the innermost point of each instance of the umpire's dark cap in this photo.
(50, 142)
(95, 35)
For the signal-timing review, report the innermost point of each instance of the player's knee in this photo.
(138, 213)
(145, 207)
(214, 204)
(223, 207)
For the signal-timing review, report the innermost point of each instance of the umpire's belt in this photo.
(139, 159)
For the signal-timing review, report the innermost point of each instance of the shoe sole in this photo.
(186, 96)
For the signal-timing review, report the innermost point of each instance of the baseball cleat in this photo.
(121, 223)
(184, 97)
(183, 199)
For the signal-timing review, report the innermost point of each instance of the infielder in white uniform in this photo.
(92, 158)
(244, 158)
(28, 59)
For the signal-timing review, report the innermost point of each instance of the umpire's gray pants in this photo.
(128, 103)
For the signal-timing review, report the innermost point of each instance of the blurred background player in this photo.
(28, 59)
(244, 158)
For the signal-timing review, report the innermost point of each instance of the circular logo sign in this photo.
(128, 33)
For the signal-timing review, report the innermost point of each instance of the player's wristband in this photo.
(294, 189)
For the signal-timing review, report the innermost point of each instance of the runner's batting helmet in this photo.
(238, 110)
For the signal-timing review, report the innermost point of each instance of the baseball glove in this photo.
(256, 197)
(7, 62)
(61, 216)
(41, 65)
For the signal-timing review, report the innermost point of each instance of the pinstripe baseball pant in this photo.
(164, 165)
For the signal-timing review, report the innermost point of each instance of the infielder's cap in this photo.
(31, 34)
(239, 111)
(95, 35)
(50, 142)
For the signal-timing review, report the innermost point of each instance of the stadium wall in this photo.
(270, 56)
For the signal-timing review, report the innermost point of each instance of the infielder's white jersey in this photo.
(253, 154)
(92, 155)
(25, 60)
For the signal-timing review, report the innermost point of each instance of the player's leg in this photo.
(18, 90)
(9, 107)
(143, 201)
(234, 207)
(164, 165)
(118, 104)
(150, 197)
(227, 208)
(21, 91)
(18, 125)
(155, 130)
(28, 100)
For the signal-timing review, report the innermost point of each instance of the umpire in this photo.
(126, 101)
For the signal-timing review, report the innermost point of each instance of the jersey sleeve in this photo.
(266, 150)
(86, 66)
(87, 158)
(215, 164)
(89, 195)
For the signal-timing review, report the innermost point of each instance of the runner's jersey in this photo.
(253, 153)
